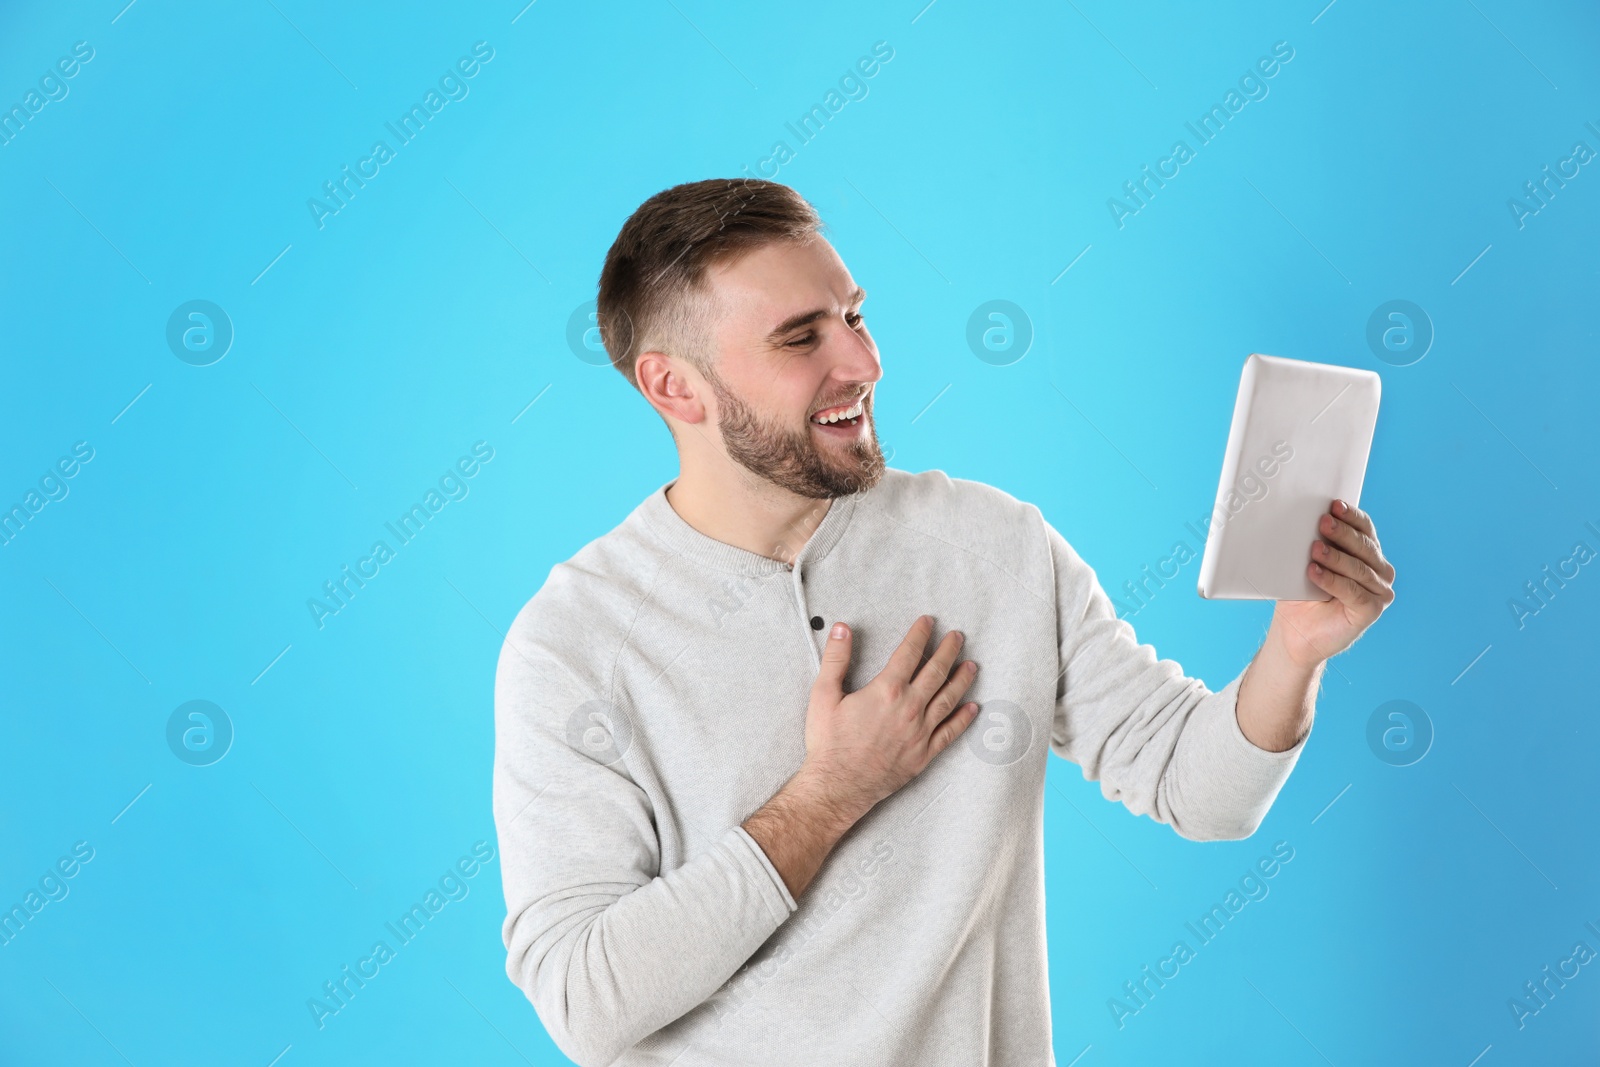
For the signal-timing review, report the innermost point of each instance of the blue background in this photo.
(433, 308)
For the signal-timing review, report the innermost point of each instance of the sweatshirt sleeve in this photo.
(1158, 741)
(606, 946)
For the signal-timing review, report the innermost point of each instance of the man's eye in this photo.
(855, 319)
(799, 341)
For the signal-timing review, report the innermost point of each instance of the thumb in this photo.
(835, 661)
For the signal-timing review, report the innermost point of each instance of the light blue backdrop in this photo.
(374, 346)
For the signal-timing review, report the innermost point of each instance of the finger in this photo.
(951, 728)
(1352, 568)
(1341, 587)
(903, 663)
(950, 693)
(1342, 509)
(1357, 543)
(937, 669)
(1358, 520)
(835, 662)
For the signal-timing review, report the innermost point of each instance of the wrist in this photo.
(1289, 647)
(838, 804)
(1277, 696)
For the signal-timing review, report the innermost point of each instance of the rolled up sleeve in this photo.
(1156, 740)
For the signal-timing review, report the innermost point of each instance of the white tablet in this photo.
(1300, 438)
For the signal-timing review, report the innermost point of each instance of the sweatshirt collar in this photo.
(689, 543)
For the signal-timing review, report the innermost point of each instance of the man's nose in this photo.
(859, 360)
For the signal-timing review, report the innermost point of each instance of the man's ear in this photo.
(671, 387)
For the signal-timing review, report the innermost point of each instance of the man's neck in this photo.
(768, 521)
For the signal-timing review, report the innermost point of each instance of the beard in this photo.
(791, 459)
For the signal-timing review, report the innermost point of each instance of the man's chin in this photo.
(855, 465)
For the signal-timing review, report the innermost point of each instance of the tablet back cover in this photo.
(1300, 437)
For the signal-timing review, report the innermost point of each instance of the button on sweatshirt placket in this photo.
(808, 621)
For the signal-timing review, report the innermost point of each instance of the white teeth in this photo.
(847, 413)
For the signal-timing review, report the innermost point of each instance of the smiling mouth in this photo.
(847, 416)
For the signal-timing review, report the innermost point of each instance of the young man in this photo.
(741, 819)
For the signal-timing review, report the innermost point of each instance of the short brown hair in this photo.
(653, 281)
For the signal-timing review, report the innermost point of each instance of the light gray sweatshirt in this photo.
(653, 695)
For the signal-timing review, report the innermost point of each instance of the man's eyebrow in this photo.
(805, 318)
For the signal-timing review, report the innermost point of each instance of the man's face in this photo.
(791, 345)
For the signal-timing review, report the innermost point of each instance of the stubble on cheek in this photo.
(794, 459)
